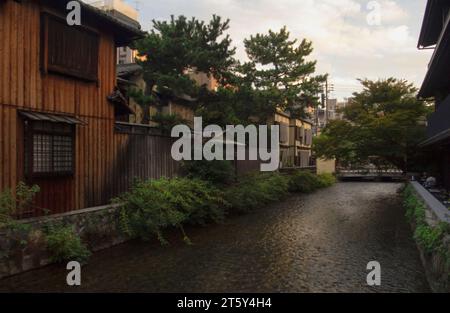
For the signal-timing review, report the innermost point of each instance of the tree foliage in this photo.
(383, 125)
(173, 49)
(279, 73)
(175, 46)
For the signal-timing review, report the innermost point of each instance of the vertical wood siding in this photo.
(106, 162)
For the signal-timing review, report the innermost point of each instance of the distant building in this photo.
(331, 109)
(296, 138)
(340, 106)
(203, 79)
(332, 112)
(127, 14)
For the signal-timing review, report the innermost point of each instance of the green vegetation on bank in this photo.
(154, 206)
(305, 182)
(12, 202)
(256, 190)
(430, 238)
(63, 242)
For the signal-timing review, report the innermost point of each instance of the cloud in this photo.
(346, 46)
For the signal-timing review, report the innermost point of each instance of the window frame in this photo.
(30, 132)
(47, 68)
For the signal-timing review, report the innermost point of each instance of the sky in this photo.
(352, 38)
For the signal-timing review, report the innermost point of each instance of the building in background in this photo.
(127, 14)
(331, 109)
(435, 35)
(203, 79)
(331, 112)
(130, 75)
(340, 106)
(296, 138)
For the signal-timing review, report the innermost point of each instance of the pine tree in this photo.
(280, 73)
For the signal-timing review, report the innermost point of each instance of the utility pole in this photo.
(328, 88)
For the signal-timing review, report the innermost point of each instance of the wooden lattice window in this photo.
(49, 149)
(68, 50)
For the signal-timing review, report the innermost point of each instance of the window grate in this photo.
(49, 149)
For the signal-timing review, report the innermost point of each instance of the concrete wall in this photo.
(437, 271)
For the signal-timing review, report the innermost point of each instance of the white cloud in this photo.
(345, 45)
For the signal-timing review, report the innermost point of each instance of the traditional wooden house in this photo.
(58, 103)
(435, 35)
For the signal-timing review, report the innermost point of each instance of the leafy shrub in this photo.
(216, 172)
(64, 244)
(255, 190)
(13, 203)
(430, 238)
(152, 206)
(326, 180)
(306, 182)
(415, 209)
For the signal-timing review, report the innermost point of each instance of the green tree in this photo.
(174, 47)
(279, 73)
(383, 125)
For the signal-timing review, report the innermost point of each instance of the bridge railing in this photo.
(368, 172)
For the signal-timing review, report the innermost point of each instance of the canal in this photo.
(317, 243)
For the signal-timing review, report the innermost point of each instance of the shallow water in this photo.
(317, 243)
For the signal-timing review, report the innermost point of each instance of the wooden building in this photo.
(58, 108)
(435, 35)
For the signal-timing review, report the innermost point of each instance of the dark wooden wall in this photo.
(106, 162)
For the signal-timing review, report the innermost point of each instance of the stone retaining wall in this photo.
(438, 272)
(98, 228)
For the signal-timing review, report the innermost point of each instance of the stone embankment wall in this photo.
(98, 228)
(436, 263)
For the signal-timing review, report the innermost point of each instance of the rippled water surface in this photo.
(316, 243)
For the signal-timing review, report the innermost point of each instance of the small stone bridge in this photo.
(369, 174)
